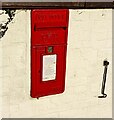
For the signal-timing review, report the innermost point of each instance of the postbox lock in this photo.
(50, 49)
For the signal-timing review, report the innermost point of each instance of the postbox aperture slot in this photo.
(50, 18)
(49, 36)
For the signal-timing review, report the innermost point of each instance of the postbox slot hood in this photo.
(50, 18)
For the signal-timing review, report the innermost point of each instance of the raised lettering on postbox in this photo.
(44, 17)
(50, 19)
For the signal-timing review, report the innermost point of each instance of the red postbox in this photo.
(48, 51)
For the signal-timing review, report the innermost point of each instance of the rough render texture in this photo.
(89, 43)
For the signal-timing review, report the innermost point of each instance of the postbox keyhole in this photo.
(50, 49)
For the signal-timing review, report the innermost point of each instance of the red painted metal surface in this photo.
(49, 29)
(43, 18)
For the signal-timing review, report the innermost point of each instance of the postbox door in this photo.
(48, 70)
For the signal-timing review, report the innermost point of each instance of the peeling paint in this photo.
(7, 16)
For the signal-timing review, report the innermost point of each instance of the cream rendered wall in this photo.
(89, 43)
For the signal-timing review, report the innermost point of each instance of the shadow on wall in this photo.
(7, 16)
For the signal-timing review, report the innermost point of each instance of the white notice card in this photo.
(49, 67)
